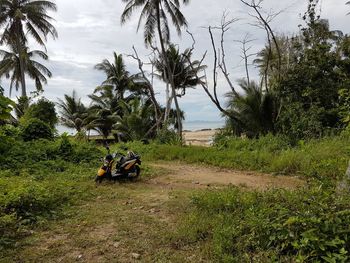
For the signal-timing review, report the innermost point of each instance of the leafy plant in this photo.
(43, 110)
(306, 225)
(6, 107)
(36, 129)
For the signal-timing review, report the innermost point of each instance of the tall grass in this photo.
(233, 225)
(326, 158)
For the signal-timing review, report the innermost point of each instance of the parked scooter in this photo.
(127, 167)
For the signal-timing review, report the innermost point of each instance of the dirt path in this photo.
(134, 222)
(194, 176)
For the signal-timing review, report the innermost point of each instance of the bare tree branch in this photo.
(265, 22)
(149, 86)
(213, 97)
(245, 55)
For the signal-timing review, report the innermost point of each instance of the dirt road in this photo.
(182, 175)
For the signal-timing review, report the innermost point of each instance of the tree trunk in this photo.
(170, 76)
(169, 101)
(22, 67)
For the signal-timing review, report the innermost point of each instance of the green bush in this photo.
(21, 154)
(43, 110)
(38, 177)
(307, 225)
(35, 129)
(166, 136)
(11, 131)
(65, 149)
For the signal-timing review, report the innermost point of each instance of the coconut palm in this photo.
(105, 97)
(104, 109)
(156, 13)
(101, 120)
(268, 60)
(73, 112)
(12, 64)
(184, 72)
(20, 18)
(116, 75)
(137, 119)
(255, 110)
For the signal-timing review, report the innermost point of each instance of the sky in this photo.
(90, 31)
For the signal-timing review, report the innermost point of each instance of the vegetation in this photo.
(324, 159)
(292, 120)
(37, 177)
(308, 225)
(20, 19)
(73, 112)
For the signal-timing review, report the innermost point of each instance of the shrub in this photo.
(11, 131)
(166, 136)
(43, 110)
(36, 129)
(307, 225)
(65, 149)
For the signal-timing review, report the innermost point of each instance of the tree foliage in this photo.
(43, 110)
(6, 107)
(73, 113)
(254, 110)
(20, 19)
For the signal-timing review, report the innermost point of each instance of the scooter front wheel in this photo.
(138, 171)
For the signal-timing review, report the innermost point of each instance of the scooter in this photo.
(127, 167)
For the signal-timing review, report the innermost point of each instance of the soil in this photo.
(182, 175)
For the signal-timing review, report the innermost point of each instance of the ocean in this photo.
(188, 126)
(200, 125)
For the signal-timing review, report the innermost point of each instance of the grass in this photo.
(305, 225)
(324, 159)
(51, 210)
(108, 225)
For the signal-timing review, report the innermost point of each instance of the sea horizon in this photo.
(195, 125)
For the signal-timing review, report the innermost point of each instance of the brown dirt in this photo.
(194, 176)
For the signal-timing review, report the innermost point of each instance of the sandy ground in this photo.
(194, 176)
(199, 138)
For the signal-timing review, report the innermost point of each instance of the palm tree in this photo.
(19, 18)
(116, 75)
(255, 110)
(12, 64)
(184, 72)
(101, 120)
(156, 13)
(137, 119)
(105, 97)
(73, 112)
(268, 61)
(104, 109)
